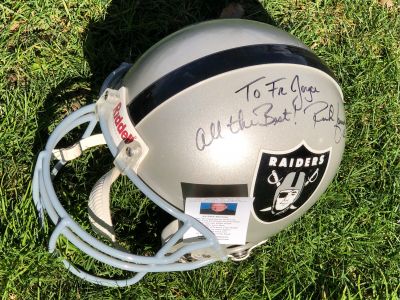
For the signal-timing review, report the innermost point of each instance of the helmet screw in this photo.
(129, 152)
(106, 95)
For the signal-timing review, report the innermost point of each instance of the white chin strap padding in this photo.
(99, 205)
(67, 154)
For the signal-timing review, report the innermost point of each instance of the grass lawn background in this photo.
(54, 56)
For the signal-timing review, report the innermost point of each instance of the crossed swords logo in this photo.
(288, 190)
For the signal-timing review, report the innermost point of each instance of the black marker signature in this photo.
(261, 116)
(269, 119)
(255, 92)
(204, 139)
(303, 93)
(324, 112)
(340, 128)
(264, 114)
(238, 122)
(274, 87)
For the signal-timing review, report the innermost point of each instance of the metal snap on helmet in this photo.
(233, 127)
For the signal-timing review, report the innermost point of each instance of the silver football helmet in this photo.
(226, 111)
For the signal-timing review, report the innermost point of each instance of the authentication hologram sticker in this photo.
(227, 218)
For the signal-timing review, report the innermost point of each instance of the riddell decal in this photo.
(285, 181)
(120, 125)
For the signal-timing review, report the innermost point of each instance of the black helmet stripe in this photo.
(215, 64)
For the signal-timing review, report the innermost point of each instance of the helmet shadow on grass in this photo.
(132, 27)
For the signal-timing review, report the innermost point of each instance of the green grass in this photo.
(53, 58)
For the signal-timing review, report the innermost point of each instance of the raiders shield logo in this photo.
(285, 181)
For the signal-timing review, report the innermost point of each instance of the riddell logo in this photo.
(118, 120)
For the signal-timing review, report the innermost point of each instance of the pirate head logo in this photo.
(286, 180)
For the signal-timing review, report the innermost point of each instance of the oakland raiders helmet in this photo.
(233, 127)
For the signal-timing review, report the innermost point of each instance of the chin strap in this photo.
(99, 199)
(76, 150)
(99, 205)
